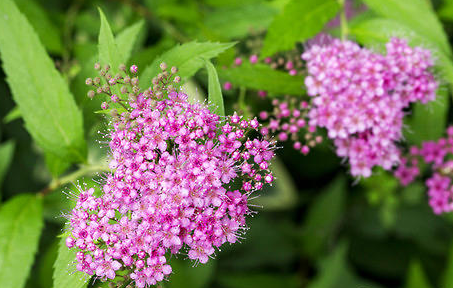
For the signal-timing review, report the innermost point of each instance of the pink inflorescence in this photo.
(438, 155)
(359, 97)
(181, 181)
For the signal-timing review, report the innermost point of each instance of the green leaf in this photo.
(6, 156)
(447, 279)
(299, 21)
(262, 280)
(187, 57)
(263, 77)
(49, 34)
(48, 108)
(428, 121)
(235, 22)
(214, 90)
(12, 115)
(65, 274)
(335, 271)
(20, 228)
(107, 47)
(416, 277)
(377, 31)
(323, 217)
(56, 165)
(416, 14)
(127, 40)
(187, 276)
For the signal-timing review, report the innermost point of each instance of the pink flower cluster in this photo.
(438, 155)
(180, 184)
(286, 121)
(359, 97)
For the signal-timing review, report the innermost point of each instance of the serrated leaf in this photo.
(299, 21)
(416, 277)
(323, 217)
(263, 77)
(48, 33)
(6, 156)
(48, 108)
(215, 96)
(188, 58)
(20, 228)
(107, 47)
(416, 14)
(235, 22)
(377, 31)
(65, 274)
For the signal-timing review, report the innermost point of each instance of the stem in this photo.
(84, 170)
(343, 20)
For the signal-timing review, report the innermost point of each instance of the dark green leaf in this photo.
(447, 279)
(186, 275)
(214, 90)
(299, 21)
(65, 274)
(48, 108)
(48, 33)
(20, 228)
(323, 217)
(6, 156)
(187, 57)
(254, 280)
(234, 22)
(263, 77)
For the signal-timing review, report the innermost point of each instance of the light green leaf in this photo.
(6, 156)
(65, 274)
(12, 115)
(416, 277)
(20, 228)
(188, 58)
(416, 14)
(56, 165)
(428, 121)
(48, 33)
(377, 31)
(107, 47)
(263, 77)
(214, 90)
(323, 217)
(235, 22)
(127, 40)
(48, 108)
(299, 21)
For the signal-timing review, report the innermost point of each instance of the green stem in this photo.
(83, 170)
(343, 20)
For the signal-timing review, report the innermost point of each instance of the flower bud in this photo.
(134, 81)
(123, 90)
(107, 67)
(177, 79)
(89, 81)
(122, 67)
(134, 69)
(97, 80)
(104, 106)
(97, 66)
(91, 94)
(163, 66)
(174, 70)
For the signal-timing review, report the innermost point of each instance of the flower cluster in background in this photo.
(181, 181)
(437, 154)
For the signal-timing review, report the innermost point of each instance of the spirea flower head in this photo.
(437, 154)
(181, 180)
(359, 97)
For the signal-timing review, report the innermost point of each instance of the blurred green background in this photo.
(318, 227)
